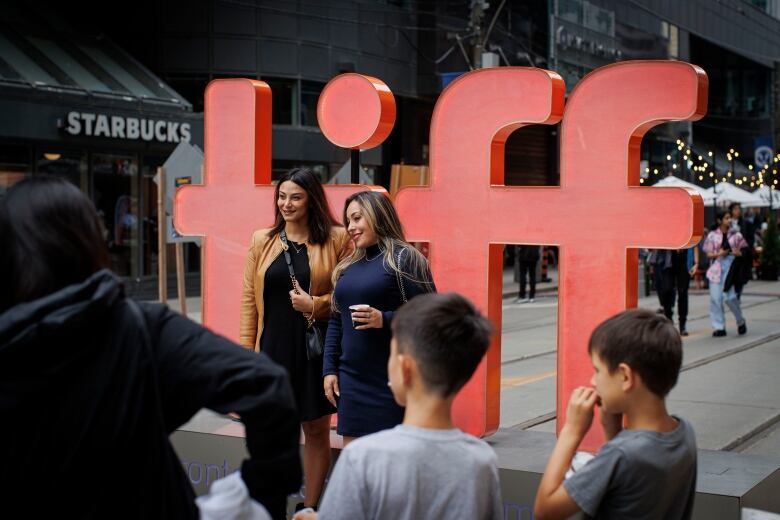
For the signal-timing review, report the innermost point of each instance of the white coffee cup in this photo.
(360, 307)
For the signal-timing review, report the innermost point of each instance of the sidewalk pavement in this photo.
(729, 387)
(511, 289)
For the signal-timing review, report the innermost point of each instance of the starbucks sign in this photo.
(130, 128)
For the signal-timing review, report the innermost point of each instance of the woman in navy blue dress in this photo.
(383, 272)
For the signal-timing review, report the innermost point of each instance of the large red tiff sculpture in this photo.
(599, 215)
(236, 196)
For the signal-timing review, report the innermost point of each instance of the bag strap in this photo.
(288, 259)
(398, 275)
(293, 279)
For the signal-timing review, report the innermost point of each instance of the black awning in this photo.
(65, 63)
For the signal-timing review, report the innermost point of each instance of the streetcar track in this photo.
(528, 356)
(733, 445)
(547, 323)
(547, 352)
(748, 439)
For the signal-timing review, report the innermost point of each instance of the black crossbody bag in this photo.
(314, 339)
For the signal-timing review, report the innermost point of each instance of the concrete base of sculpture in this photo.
(211, 447)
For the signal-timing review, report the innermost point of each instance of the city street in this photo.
(729, 388)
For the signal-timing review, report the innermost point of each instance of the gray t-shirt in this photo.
(414, 473)
(639, 474)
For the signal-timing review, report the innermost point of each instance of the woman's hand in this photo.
(331, 385)
(301, 301)
(692, 270)
(371, 318)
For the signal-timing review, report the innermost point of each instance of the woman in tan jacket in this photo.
(275, 315)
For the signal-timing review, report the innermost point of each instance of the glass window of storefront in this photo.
(149, 255)
(284, 100)
(279, 167)
(121, 185)
(116, 197)
(14, 165)
(68, 164)
(310, 94)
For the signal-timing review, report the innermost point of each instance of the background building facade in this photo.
(102, 93)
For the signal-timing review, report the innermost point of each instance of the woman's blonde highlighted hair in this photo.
(382, 218)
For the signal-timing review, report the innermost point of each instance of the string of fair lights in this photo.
(703, 168)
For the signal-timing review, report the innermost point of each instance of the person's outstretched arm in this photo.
(199, 369)
(552, 499)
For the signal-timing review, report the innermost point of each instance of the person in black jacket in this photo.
(743, 265)
(92, 383)
(526, 258)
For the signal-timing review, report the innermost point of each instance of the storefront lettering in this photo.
(121, 127)
(565, 40)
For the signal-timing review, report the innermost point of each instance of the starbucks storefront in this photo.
(112, 154)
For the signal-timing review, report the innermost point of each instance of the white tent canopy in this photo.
(726, 193)
(672, 181)
(764, 191)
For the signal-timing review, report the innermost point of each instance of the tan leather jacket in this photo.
(262, 252)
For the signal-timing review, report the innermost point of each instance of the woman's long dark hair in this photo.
(320, 219)
(51, 237)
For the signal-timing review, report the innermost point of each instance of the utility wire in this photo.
(493, 22)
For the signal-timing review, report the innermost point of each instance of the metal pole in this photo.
(475, 24)
(179, 247)
(355, 163)
(162, 224)
(733, 173)
(551, 29)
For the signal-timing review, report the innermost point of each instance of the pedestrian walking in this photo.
(526, 258)
(723, 247)
(746, 224)
(672, 272)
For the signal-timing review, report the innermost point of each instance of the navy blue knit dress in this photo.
(359, 357)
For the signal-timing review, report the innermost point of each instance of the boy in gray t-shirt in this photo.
(647, 469)
(424, 468)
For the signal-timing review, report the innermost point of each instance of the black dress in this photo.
(284, 334)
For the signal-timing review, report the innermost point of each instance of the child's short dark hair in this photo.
(447, 337)
(645, 341)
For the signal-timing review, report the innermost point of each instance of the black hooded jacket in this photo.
(92, 384)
